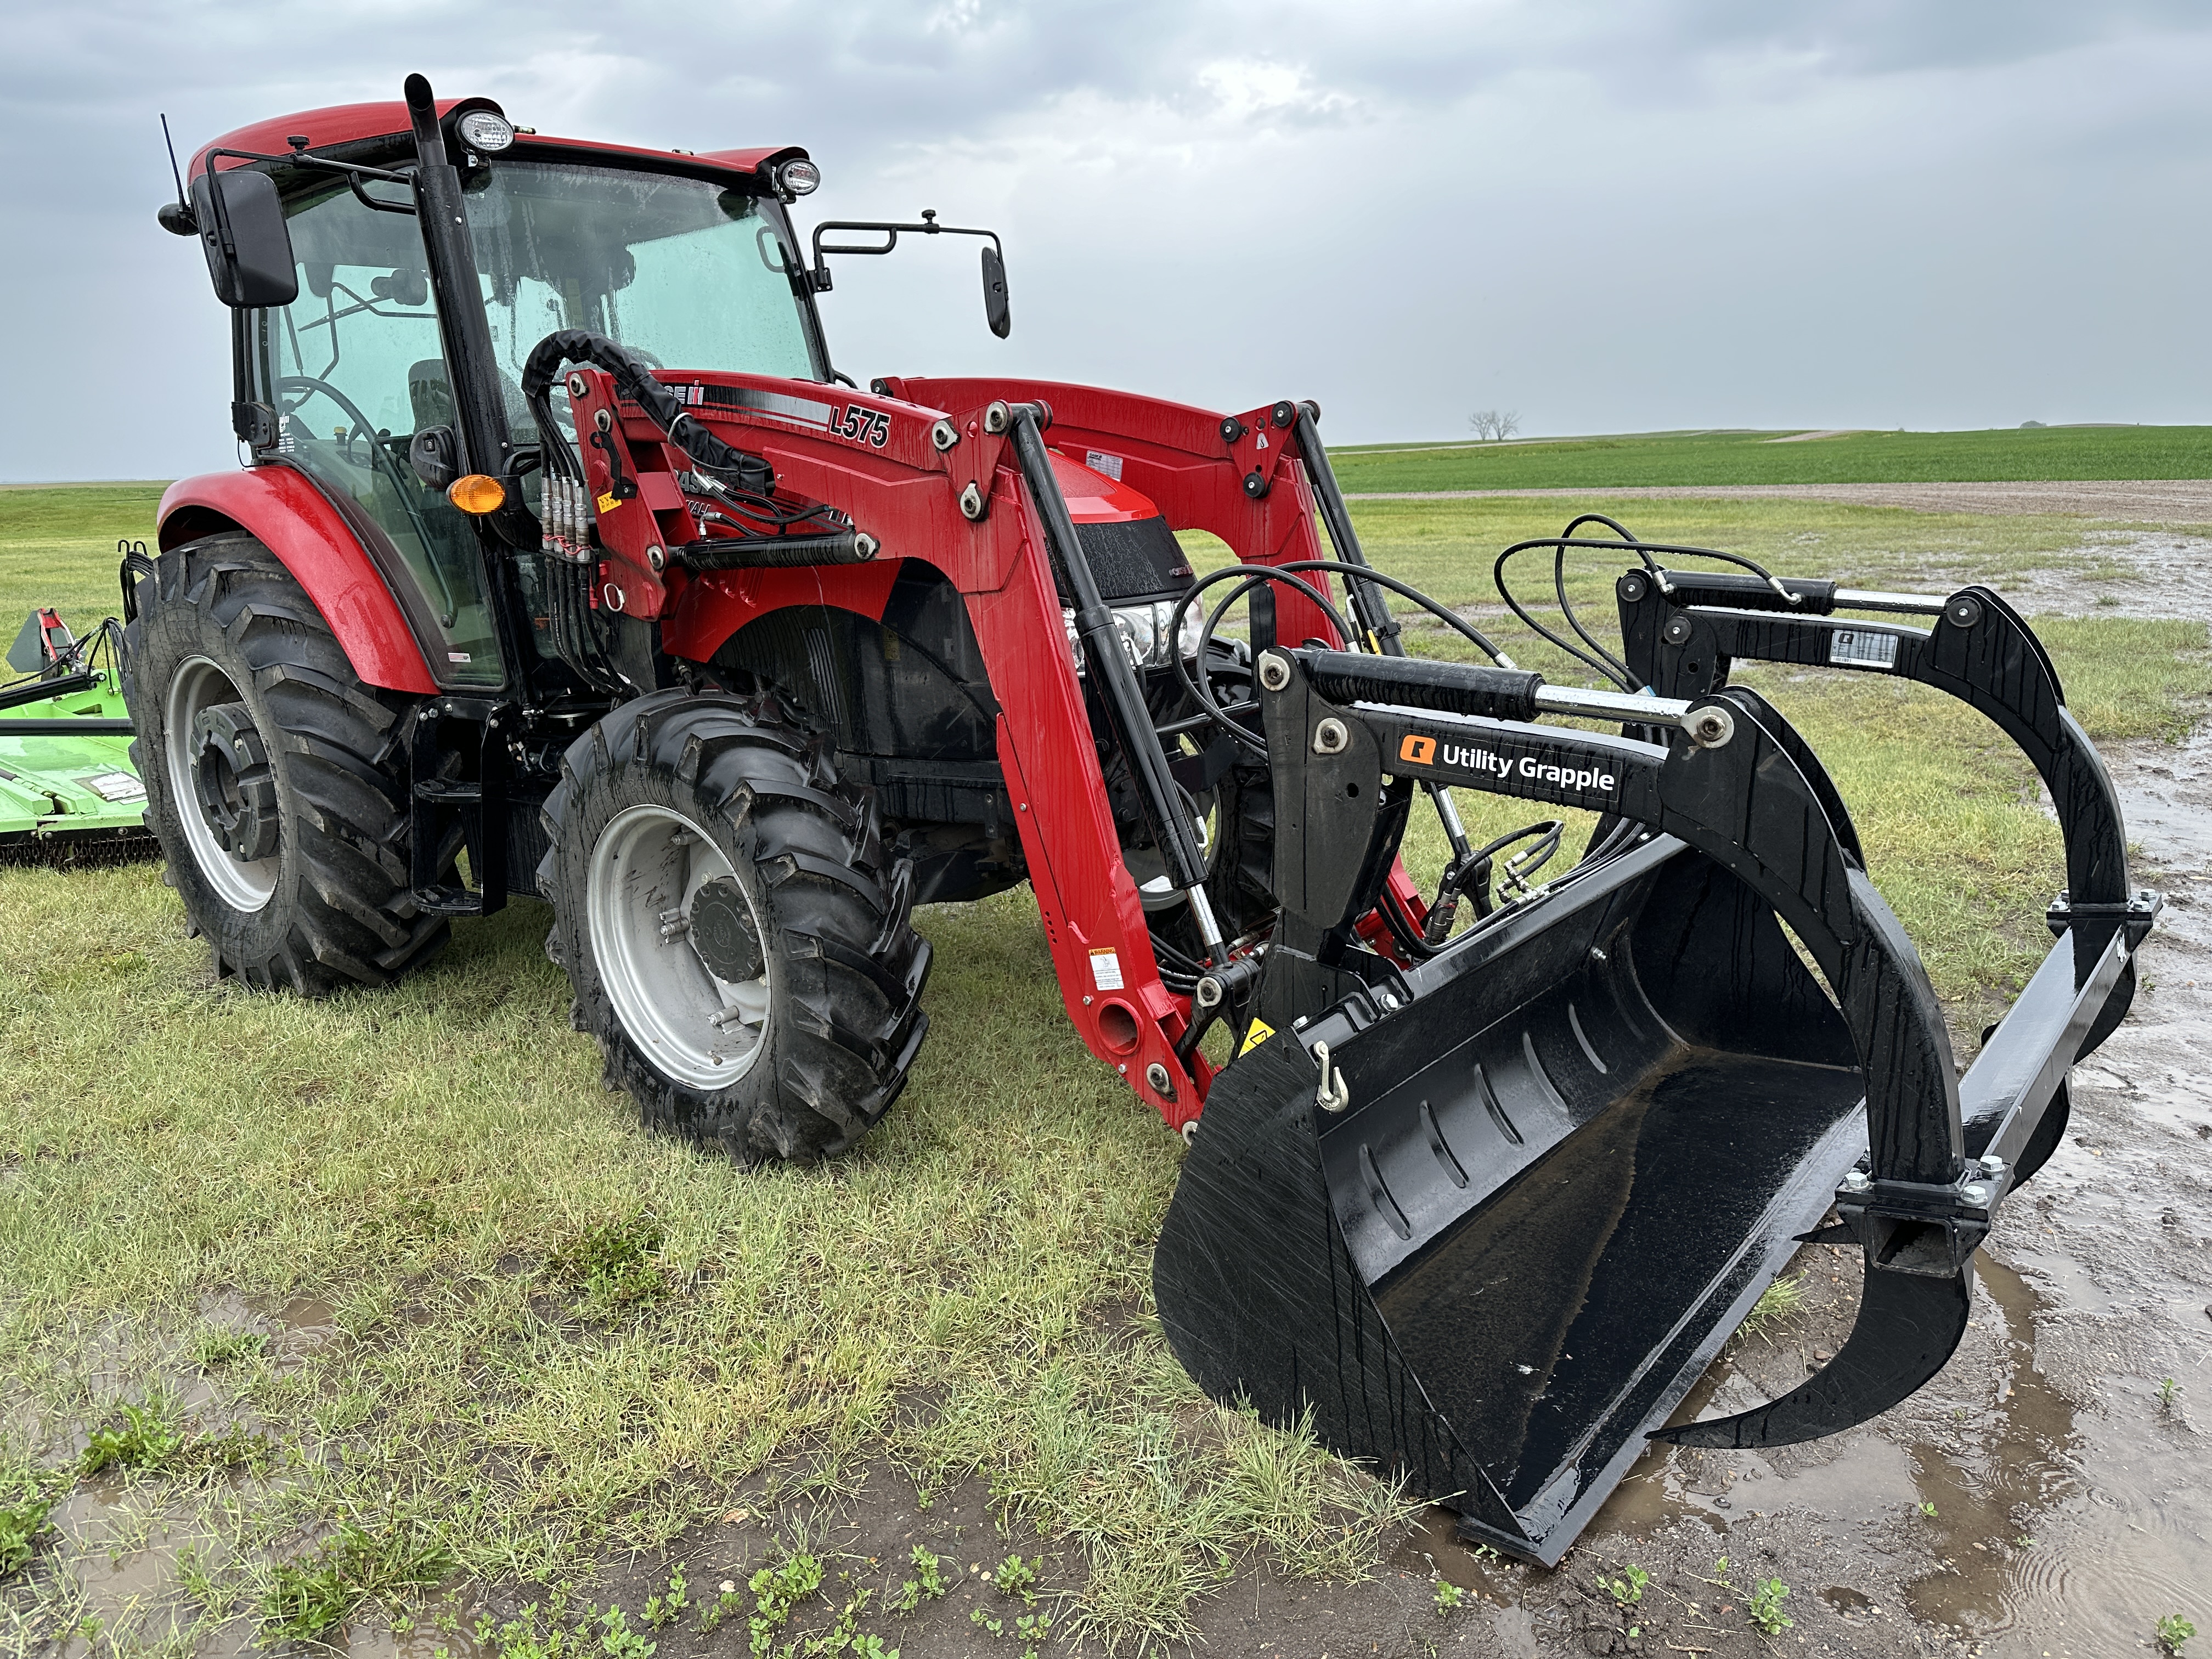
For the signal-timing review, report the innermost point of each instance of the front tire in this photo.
(738, 940)
(275, 780)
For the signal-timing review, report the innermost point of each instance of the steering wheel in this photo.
(346, 405)
(410, 486)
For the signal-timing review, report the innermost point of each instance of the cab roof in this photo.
(341, 123)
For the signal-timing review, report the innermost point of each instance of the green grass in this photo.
(57, 547)
(558, 1339)
(1751, 457)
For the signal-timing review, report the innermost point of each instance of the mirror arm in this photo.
(929, 227)
(355, 177)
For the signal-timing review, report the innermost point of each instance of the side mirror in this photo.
(995, 311)
(248, 246)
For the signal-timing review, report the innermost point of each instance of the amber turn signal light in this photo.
(475, 493)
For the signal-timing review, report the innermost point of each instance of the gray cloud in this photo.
(1707, 211)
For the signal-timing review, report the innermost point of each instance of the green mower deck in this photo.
(68, 791)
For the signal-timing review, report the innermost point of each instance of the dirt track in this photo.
(2165, 502)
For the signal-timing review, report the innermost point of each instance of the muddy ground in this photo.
(2040, 1497)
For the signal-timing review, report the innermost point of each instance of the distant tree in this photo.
(1494, 424)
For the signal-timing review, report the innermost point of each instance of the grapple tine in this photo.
(1908, 1326)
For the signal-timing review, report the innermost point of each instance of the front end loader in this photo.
(568, 565)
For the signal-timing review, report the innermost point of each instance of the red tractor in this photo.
(565, 559)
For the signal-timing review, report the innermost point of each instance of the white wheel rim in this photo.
(196, 684)
(649, 864)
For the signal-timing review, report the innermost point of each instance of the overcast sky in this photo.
(1607, 216)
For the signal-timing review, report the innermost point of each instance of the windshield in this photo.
(684, 271)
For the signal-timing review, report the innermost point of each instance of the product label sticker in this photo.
(115, 786)
(1260, 1033)
(1105, 970)
(1099, 461)
(610, 501)
(1861, 650)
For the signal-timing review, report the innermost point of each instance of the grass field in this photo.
(1752, 458)
(359, 1299)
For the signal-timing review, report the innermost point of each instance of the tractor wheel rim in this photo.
(647, 867)
(196, 684)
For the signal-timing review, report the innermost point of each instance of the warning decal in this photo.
(115, 786)
(1860, 649)
(1099, 461)
(610, 501)
(1106, 970)
(1260, 1033)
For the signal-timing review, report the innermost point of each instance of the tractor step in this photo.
(449, 791)
(448, 901)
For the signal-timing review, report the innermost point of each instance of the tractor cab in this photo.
(352, 376)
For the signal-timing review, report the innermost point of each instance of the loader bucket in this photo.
(1484, 1220)
(1560, 1185)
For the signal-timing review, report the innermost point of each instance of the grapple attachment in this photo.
(1486, 1217)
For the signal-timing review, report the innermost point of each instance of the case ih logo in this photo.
(1421, 752)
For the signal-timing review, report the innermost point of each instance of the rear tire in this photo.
(275, 781)
(725, 908)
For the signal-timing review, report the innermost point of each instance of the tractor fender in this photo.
(289, 516)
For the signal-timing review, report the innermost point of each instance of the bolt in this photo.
(1597, 955)
(1991, 1165)
(1677, 631)
(1974, 1193)
(1389, 999)
(1274, 670)
(603, 419)
(996, 419)
(657, 559)
(1857, 1181)
(1190, 1132)
(1709, 727)
(1963, 611)
(575, 386)
(971, 502)
(1157, 1075)
(615, 598)
(944, 434)
(866, 545)
(1330, 737)
(1231, 429)
(1086, 1002)
(1632, 586)
(1208, 994)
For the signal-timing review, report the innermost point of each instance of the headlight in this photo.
(1144, 631)
(485, 131)
(799, 177)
